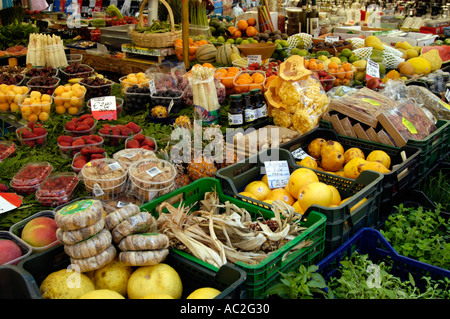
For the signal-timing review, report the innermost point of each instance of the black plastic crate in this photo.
(17, 283)
(229, 279)
(403, 172)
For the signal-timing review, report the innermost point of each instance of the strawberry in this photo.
(78, 142)
(132, 144)
(88, 121)
(29, 143)
(82, 127)
(39, 131)
(97, 138)
(85, 116)
(146, 147)
(81, 158)
(116, 131)
(79, 163)
(97, 156)
(70, 126)
(149, 142)
(25, 133)
(65, 139)
(40, 141)
(105, 131)
(65, 144)
(91, 142)
(139, 137)
(3, 188)
(134, 127)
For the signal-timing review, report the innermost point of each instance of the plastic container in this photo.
(7, 149)
(129, 156)
(369, 241)
(148, 194)
(227, 81)
(68, 152)
(17, 79)
(146, 174)
(44, 89)
(83, 132)
(146, 137)
(77, 169)
(114, 140)
(136, 101)
(74, 58)
(104, 178)
(17, 283)
(192, 51)
(39, 141)
(24, 247)
(30, 74)
(119, 105)
(241, 88)
(66, 76)
(17, 228)
(10, 102)
(125, 83)
(27, 108)
(123, 200)
(30, 176)
(261, 276)
(229, 279)
(166, 101)
(403, 173)
(327, 84)
(98, 90)
(342, 78)
(73, 101)
(57, 189)
(341, 224)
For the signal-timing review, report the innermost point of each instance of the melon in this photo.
(223, 56)
(444, 51)
(206, 54)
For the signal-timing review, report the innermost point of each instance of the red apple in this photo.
(40, 231)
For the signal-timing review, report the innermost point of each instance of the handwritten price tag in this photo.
(299, 154)
(104, 108)
(372, 70)
(152, 87)
(331, 39)
(277, 173)
(253, 59)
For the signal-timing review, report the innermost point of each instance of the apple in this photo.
(40, 231)
(9, 251)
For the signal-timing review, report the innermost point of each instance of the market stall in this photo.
(231, 153)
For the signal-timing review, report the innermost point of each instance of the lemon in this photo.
(113, 276)
(160, 278)
(65, 284)
(299, 177)
(315, 193)
(259, 189)
(204, 293)
(102, 294)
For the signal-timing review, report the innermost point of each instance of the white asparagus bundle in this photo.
(203, 88)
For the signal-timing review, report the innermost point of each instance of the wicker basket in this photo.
(155, 40)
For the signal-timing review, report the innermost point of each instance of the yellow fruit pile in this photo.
(116, 280)
(9, 97)
(330, 156)
(69, 98)
(35, 106)
(131, 79)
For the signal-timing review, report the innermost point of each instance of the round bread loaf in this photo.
(116, 217)
(97, 261)
(139, 223)
(80, 214)
(144, 241)
(143, 258)
(91, 246)
(72, 237)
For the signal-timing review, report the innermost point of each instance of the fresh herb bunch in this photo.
(305, 283)
(420, 233)
(15, 34)
(356, 280)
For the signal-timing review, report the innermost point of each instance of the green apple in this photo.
(230, 41)
(238, 40)
(322, 58)
(295, 51)
(304, 52)
(284, 43)
(245, 41)
(221, 39)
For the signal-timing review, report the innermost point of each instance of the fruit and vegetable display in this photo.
(164, 185)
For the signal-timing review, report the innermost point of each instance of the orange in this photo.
(340, 73)
(203, 42)
(228, 83)
(280, 194)
(306, 64)
(259, 189)
(233, 69)
(232, 29)
(300, 177)
(178, 42)
(258, 78)
(220, 73)
(192, 57)
(346, 66)
(313, 65)
(348, 75)
(333, 65)
(208, 65)
(242, 25)
(312, 60)
(192, 49)
(251, 31)
(251, 22)
(237, 34)
(191, 41)
(255, 86)
(315, 193)
(346, 82)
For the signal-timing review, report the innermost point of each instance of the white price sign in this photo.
(104, 107)
(331, 39)
(372, 69)
(253, 59)
(277, 173)
(152, 87)
(299, 154)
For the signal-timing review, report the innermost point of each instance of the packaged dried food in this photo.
(30, 176)
(128, 156)
(57, 189)
(152, 173)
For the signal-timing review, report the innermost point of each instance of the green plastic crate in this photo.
(402, 175)
(435, 147)
(229, 279)
(263, 275)
(340, 223)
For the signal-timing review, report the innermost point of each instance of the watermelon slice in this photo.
(444, 51)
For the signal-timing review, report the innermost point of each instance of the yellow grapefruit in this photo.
(299, 177)
(298, 208)
(280, 194)
(336, 200)
(315, 193)
(247, 194)
(259, 189)
(265, 180)
(204, 293)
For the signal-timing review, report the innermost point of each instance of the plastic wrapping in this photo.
(90, 247)
(79, 214)
(139, 223)
(430, 101)
(128, 156)
(116, 217)
(30, 176)
(297, 105)
(144, 241)
(57, 189)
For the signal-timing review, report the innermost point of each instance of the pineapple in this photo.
(201, 168)
(183, 121)
(159, 111)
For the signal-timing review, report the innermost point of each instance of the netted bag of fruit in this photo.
(357, 43)
(300, 38)
(363, 53)
(392, 57)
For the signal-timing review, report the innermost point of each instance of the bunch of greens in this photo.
(419, 233)
(197, 13)
(360, 278)
(159, 27)
(15, 34)
(437, 187)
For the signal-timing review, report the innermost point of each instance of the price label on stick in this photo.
(331, 39)
(254, 59)
(152, 87)
(277, 173)
(104, 107)
(372, 70)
